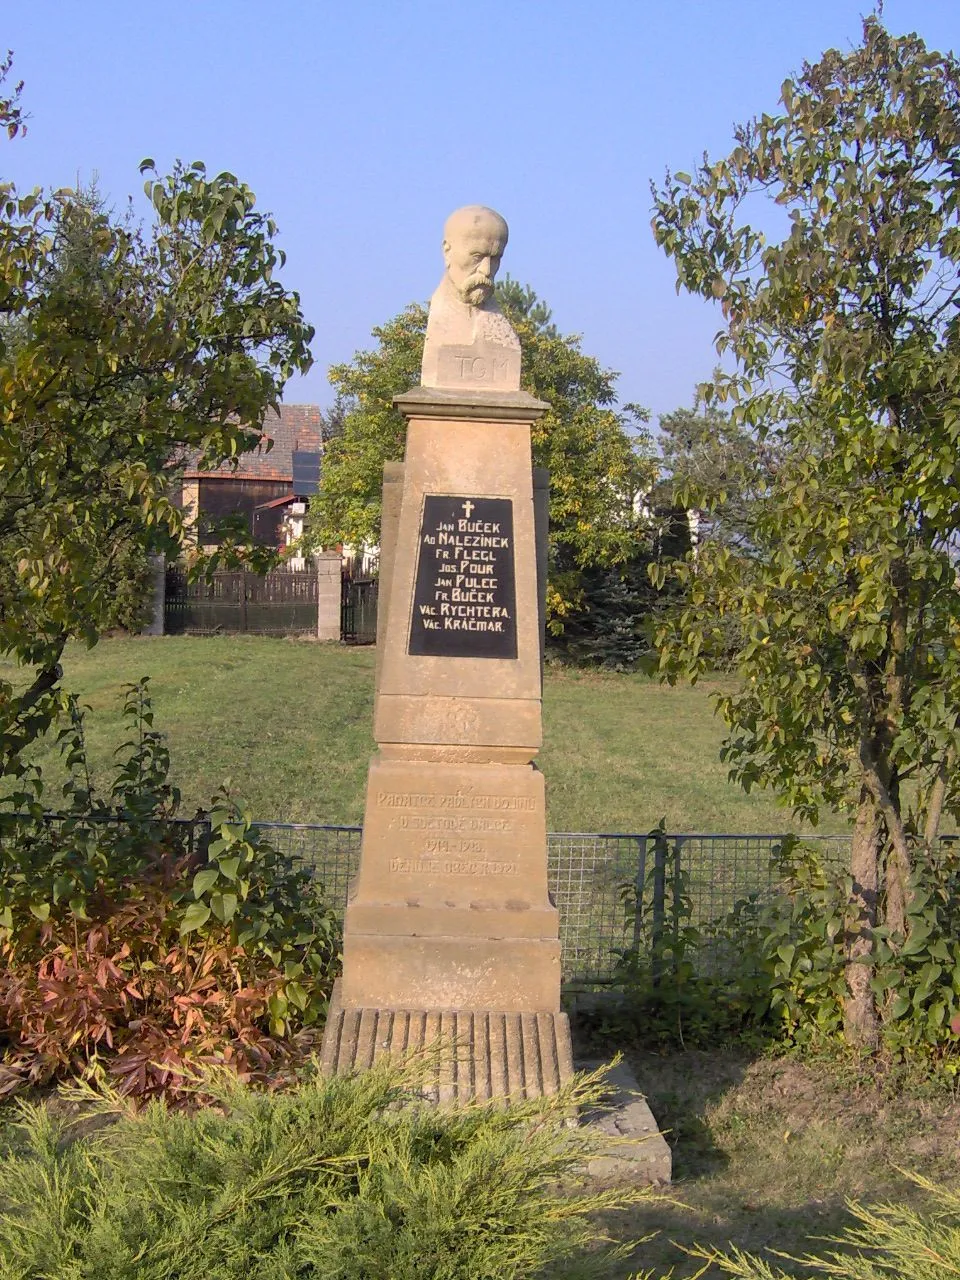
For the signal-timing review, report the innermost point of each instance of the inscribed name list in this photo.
(464, 602)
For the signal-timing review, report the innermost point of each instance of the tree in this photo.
(332, 422)
(11, 113)
(844, 334)
(702, 450)
(79, 266)
(121, 350)
(599, 461)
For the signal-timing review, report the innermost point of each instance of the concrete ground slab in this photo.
(633, 1148)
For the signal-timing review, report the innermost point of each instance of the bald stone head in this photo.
(474, 239)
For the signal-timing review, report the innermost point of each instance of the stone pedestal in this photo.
(484, 1055)
(450, 931)
(450, 909)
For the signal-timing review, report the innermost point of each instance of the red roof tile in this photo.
(296, 427)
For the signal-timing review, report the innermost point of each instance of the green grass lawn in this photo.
(290, 724)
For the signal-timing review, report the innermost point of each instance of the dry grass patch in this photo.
(767, 1151)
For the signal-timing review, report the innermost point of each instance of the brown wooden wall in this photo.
(225, 496)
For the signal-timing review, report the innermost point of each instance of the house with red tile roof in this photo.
(266, 486)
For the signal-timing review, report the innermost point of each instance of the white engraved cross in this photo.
(468, 507)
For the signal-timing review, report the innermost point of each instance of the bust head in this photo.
(474, 239)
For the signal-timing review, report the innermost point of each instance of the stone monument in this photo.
(450, 933)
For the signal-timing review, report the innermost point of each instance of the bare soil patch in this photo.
(768, 1150)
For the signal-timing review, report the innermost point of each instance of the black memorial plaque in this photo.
(465, 599)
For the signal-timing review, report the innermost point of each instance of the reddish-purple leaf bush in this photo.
(124, 949)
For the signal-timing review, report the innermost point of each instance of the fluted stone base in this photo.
(480, 1054)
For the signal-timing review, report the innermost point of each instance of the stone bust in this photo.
(470, 344)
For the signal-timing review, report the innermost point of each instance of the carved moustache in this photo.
(476, 289)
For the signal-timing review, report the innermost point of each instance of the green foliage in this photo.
(883, 1240)
(704, 451)
(792, 956)
(608, 629)
(856, 532)
(122, 936)
(773, 969)
(182, 345)
(335, 1180)
(617, 604)
(843, 335)
(372, 432)
(11, 113)
(270, 906)
(599, 460)
(685, 983)
(130, 608)
(659, 972)
(917, 978)
(122, 350)
(792, 952)
(57, 869)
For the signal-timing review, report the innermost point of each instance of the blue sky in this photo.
(361, 125)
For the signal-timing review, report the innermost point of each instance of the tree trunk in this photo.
(860, 1022)
(898, 875)
(27, 715)
(896, 689)
(937, 799)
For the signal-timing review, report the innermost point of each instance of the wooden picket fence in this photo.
(283, 602)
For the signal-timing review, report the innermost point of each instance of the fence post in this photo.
(243, 600)
(641, 883)
(154, 624)
(677, 905)
(328, 564)
(660, 850)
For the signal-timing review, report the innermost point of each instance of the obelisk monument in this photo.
(450, 932)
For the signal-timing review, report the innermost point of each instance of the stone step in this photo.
(477, 1054)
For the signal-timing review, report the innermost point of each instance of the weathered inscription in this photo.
(452, 800)
(457, 823)
(467, 367)
(464, 602)
(426, 866)
(487, 365)
(455, 833)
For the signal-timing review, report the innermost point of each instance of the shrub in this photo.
(884, 1240)
(798, 947)
(795, 947)
(130, 988)
(132, 601)
(123, 938)
(342, 1179)
(773, 968)
(684, 983)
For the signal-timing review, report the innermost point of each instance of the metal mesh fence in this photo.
(723, 869)
(611, 890)
(596, 881)
(332, 852)
(590, 877)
